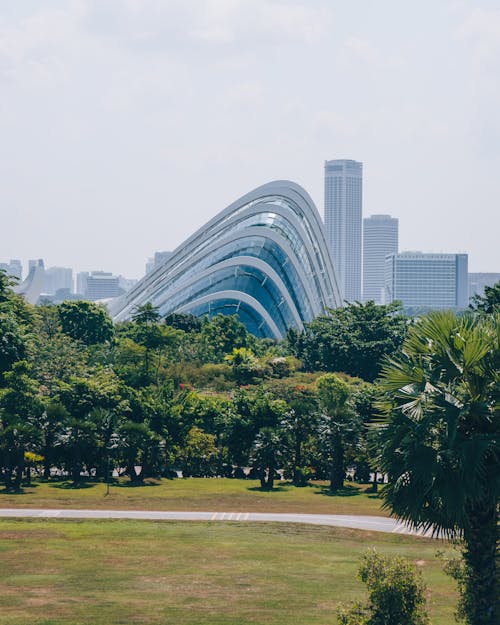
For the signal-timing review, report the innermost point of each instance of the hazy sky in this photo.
(126, 124)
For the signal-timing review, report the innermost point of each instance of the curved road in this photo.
(371, 523)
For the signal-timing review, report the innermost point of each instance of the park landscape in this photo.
(366, 412)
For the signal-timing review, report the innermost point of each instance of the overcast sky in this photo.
(126, 124)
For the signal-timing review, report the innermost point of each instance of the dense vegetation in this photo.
(79, 395)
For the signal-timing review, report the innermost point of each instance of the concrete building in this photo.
(478, 281)
(380, 239)
(81, 282)
(158, 259)
(32, 286)
(343, 217)
(57, 278)
(13, 268)
(427, 281)
(102, 285)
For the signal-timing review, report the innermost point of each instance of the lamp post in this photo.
(113, 444)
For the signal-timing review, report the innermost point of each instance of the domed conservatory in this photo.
(264, 258)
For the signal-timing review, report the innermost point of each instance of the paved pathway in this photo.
(372, 523)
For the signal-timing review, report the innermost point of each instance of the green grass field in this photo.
(139, 572)
(218, 495)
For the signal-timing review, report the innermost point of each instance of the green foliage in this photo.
(146, 314)
(266, 455)
(353, 339)
(396, 593)
(340, 426)
(220, 335)
(441, 444)
(13, 345)
(20, 412)
(184, 322)
(86, 322)
(198, 455)
(489, 302)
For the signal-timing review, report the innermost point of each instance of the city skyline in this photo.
(125, 126)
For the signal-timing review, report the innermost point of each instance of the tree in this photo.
(220, 335)
(20, 411)
(244, 364)
(489, 302)
(396, 593)
(13, 346)
(146, 314)
(86, 322)
(441, 444)
(184, 321)
(298, 424)
(267, 454)
(353, 339)
(339, 425)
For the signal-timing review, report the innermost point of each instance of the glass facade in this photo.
(263, 258)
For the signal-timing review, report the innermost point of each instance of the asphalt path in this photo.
(371, 523)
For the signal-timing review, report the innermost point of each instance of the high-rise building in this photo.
(13, 268)
(158, 259)
(380, 238)
(81, 282)
(343, 216)
(427, 281)
(57, 278)
(478, 281)
(102, 285)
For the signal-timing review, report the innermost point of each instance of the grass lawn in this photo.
(218, 495)
(160, 573)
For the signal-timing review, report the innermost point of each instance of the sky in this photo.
(126, 124)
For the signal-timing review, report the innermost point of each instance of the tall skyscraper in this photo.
(343, 216)
(380, 238)
(427, 281)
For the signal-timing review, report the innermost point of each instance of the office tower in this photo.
(478, 281)
(427, 281)
(102, 285)
(13, 268)
(343, 210)
(57, 278)
(81, 282)
(158, 259)
(380, 238)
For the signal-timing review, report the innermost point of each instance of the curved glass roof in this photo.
(263, 258)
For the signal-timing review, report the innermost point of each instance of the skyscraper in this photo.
(343, 210)
(427, 281)
(380, 238)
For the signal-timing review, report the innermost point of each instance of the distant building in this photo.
(158, 259)
(126, 283)
(102, 285)
(32, 287)
(478, 281)
(81, 282)
(13, 268)
(380, 238)
(57, 278)
(343, 215)
(427, 281)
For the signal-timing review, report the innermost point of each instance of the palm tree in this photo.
(441, 444)
(146, 314)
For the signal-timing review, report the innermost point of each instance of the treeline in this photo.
(204, 396)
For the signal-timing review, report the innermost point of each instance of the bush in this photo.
(396, 593)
